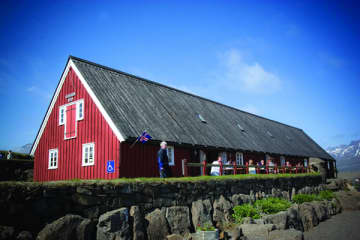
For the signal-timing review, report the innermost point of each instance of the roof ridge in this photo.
(175, 89)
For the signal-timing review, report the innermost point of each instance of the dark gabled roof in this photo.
(135, 104)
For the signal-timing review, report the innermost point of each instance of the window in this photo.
(305, 162)
(170, 152)
(53, 158)
(88, 154)
(223, 157)
(201, 118)
(282, 160)
(62, 115)
(80, 110)
(241, 128)
(239, 158)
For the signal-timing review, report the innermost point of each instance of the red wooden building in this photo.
(97, 112)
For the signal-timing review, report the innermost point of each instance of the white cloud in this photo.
(249, 77)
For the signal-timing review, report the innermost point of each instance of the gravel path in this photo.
(345, 225)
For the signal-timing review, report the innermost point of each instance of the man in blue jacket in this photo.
(163, 161)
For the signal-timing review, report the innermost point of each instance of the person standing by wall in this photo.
(9, 156)
(163, 161)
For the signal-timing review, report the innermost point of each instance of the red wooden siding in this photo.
(93, 128)
(141, 160)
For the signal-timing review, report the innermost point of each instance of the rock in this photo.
(157, 225)
(249, 220)
(178, 219)
(174, 237)
(24, 235)
(137, 219)
(85, 200)
(294, 220)
(239, 199)
(338, 206)
(293, 193)
(201, 212)
(62, 228)
(86, 230)
(308, 216)
(279, 220)
(6, 233)
(233, 234)
(222, 211)
(285, 195)
(321, 210)
(114, 225)
(290, 234)
(257, 231)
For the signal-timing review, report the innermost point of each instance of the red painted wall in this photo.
(141, 160)
(93, 128)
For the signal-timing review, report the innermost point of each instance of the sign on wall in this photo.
(110, 166)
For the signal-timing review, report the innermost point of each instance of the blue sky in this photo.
(296, 62)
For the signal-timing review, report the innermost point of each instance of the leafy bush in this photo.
(206, 227)
(245, 210)
(326, 195)
(272, 205)
(323, 195)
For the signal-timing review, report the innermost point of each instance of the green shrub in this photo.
(326, 195)
(301, 198)
(323, 195)
(245, 210)
(206, 227)
(272, 205)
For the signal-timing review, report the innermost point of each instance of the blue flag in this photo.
(144, 137)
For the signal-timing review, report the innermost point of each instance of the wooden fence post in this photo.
(221, 168)
(204, 168)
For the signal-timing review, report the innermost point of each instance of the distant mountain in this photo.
(347, 156)
(24, 149)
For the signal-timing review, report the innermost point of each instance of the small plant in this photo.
(272, 205)
(326, 195)
(205, 228)
(323, 195)
(245, 210)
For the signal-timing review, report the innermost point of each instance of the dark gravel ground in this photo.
(345, 225)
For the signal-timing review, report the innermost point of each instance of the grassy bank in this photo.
(160, 180)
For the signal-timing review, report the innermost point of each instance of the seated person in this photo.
(288, 166)
(252, 169)
(215, 170)
(271, 166)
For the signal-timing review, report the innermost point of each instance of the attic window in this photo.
(241, 128)
(269, 133)
(201, 118)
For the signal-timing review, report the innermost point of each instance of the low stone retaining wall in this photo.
(158, 208)
(16, 170)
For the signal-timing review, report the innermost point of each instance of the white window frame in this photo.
(171, 155)
(78, 103)
(306, 162)
(239, 156)
(53, 154)
(76, 117)
(282, 161)
(223, 157)
(62, 108)
(84, 147)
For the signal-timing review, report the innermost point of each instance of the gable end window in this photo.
(88, 154)
(62, 115)
(80, 110)
(53, 158)
(170, 152)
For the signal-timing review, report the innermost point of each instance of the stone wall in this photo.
(30, 206)
(16, 170)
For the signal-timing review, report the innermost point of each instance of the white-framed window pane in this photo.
(224, 157)
(53, 158)
(88, 154)
(80, 110)
(239, 158)
(170, 152)
(282, 161)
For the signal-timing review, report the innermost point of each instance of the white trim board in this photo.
(71, 64)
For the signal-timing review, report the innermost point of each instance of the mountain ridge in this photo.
(347, 156)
